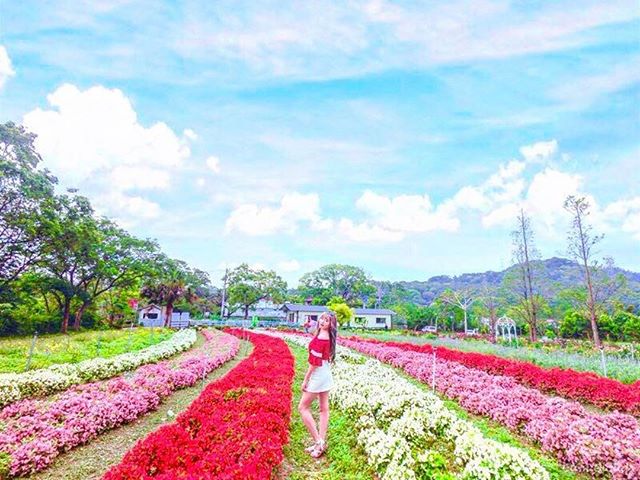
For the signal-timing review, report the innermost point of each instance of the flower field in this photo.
(585, 387)
(408, 433)
(34, 432)
(622, 366)
(236, 429)
(601, 445)
(16, 386)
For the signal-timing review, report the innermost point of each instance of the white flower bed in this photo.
(399, 422)
(45, 381)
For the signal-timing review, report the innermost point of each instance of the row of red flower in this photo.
(234, 430)
(582, 386)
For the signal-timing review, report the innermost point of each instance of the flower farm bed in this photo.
(601, 445)
(235, 429)
(34, 432)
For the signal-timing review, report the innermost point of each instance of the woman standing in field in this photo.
(318, 381)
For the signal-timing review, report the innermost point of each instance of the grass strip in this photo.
(344, 460)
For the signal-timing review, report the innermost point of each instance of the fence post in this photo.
(433, 371)
(33, 345)
(604, 362)
(98, 345)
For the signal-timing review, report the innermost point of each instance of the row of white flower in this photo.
(45, 381)
(402, 427)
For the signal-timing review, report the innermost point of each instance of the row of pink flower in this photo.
(34, 432)
(601, 445)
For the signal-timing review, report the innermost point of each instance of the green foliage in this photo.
(416, 315)
(344, 314)
(26, 193)
(247, 286)
(631, 326)
(346, 281)
(573, 325)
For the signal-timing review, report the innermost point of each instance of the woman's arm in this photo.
(307, 376)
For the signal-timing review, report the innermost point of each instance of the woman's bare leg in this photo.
(323, 398)
(304, 407)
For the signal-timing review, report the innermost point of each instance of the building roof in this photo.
(299, 307)
(373, 311)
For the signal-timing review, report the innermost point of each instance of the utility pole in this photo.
(224, 293)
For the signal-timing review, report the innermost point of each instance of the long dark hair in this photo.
(333, 333)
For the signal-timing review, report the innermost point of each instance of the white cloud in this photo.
(294, 208)
(539, 151)
(92, 139)
(201, 182)
(405, 213)
(625, 213)
(582, 91)
(137, 176)
(190, 134)
(288, 266)
(130, 209)
(96, 129)
(366, 233)
(213, 164)
(6, 69)
(314, 40)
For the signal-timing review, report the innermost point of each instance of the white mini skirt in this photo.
(320, 379)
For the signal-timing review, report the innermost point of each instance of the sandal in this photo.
(319, 449)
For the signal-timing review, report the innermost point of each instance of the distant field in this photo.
(74, 347)
(625, 369)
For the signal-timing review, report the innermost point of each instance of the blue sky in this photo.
(398, 136)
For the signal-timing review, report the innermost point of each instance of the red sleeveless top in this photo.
(319, 350)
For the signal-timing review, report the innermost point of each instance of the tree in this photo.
(462, 299)
(26, 194)
(71, 250)
(171, 282)
(344, 314)
(491, 301)
(524, 252)
(247, 286)
(346, 281)
(120, 261)
(573, 325)
(415, 315)
(582, 242)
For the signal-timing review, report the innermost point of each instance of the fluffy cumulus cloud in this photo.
(6, 69)
(405, 213)
(532, 184)
(92, 139)
(295, 208)
(626, 214)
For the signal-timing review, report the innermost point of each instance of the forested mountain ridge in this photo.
(552, 275)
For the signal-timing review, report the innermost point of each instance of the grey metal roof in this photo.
(373, 311)
(298, 307)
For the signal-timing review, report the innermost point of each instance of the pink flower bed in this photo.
(601, 445)
(34, 432)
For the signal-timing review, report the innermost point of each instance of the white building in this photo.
(363, 317)
(154, 315)
(372, 318)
